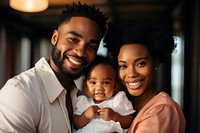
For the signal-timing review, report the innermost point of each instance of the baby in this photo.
(103, 108)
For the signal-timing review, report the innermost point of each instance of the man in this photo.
(40, 99)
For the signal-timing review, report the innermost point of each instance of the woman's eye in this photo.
(141, 64)
(122, 67)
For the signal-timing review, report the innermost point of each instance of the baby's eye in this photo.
(92, 82)
(106, 82)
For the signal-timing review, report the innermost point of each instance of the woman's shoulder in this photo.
(162, 101)
(163, 98)
(163, 108)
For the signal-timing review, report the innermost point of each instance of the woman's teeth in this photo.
(133, 83)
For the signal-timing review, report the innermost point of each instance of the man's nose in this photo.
(80, 50)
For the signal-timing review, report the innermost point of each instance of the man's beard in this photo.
(56, 56)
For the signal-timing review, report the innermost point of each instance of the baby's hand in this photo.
(107, 114)
(91, 112)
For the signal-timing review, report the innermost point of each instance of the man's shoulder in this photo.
(24, 82)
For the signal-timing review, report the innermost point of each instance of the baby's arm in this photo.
(82, 120)
(108, 114)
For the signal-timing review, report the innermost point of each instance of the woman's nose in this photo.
(132, 72)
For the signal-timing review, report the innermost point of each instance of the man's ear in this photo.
(54, 37)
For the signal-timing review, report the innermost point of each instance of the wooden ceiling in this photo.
(114, 9)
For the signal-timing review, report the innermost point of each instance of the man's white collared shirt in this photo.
(34, 101)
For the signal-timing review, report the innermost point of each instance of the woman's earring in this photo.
(156, 66)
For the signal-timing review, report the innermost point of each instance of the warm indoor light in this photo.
(29, 5)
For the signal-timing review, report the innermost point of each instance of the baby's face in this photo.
(100, 83)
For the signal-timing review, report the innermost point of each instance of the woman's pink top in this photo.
(160, 115)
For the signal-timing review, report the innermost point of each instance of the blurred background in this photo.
(25, 37)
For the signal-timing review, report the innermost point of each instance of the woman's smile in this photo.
(134, 85)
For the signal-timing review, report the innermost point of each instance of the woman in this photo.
(140, 47)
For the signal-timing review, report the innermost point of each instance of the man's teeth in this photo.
(134, 83)
(75, 62)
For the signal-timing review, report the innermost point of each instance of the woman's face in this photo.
(136, 68)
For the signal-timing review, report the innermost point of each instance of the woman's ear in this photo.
(54, 37)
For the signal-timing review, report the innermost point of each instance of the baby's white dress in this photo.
(119, 103)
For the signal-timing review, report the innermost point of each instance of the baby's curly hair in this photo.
(84, 10)
(106, 60)
(154, 36)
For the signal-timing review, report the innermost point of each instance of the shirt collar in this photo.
(51, 84)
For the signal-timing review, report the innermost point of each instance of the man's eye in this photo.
(73, 40)
(92, 47)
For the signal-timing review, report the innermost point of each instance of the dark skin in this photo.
(66, 83)
(80, 47)
(101, 79)
(140, 101)
(75, 49)
(136, 68)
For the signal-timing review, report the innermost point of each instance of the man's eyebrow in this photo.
(75, 34)
(79, 35)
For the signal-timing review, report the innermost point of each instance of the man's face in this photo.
(75, 45)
